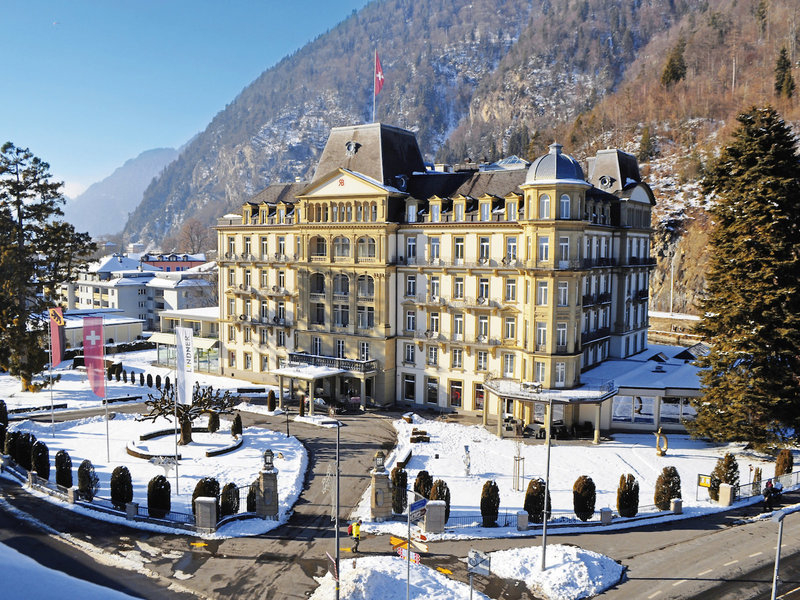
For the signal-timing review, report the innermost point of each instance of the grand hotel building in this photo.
(467, 289)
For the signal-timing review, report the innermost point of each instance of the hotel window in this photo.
(231, 333)
(434, 323)
(411, 285)
(456, 390)
(563, 248)
(318, 313)
(411, 249)
(366, 317)
(458, 324)
(435, 288)
(316, 345)
(433, 355)
(511, 290)
(561, 374)
(541, 293)
(411, 213)
(563, 207)
(263, 337)
(433, 248)
(481, 360)
(264, 247)
(231, 277)
(459, 212)
(341, 247)
(231, 358)
(409, 387)
(248, 361)
(281, 311)
(483, 249)
(374, 212)
(247, 277)
(483, 325)
(483, 287)
(363, 350)
(510, 328)
(340, 351)
(561, 337)
(231, 247)
(432, 390)
(458, 248)
(366, 247)
(544, 206)
(264, 276)
(410, 354)
(265, 362)
(544, 248)
(511, 248)
(247, 245)
(541, 336)
(281, 245)
(280, 338)
(411, 320)
(231, 307)
(563, 293)
(247, 335)
(359, 213)
(458, 287)
(485, 210)
(435, 210)
(508, 365)
(456, 358)
(511, 211)
(478, 397)
(538, 371)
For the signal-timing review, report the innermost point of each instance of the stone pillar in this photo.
(434, 516)
(605, 516)
(363, 393)
(485, 411)
(311, 394)
(596, 438)
(205, 514)
(380, 496)
(499, 417)
(72, 494)
(131, 510)
(727, 494)
(676, 506)
(522, 521)
(267, 497)
(280, 392)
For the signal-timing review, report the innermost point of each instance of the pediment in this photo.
(344, 183)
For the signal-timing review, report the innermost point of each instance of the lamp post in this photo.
(408, 542)
(546, 512)
(338, 425)
(778, 517)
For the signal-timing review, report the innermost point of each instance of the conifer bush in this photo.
(121, 487)
(757, 476)
(63, 469)
(213, 421)
(534, 500)
(440, 491)
(628, 496)
(141, 379)
(88, 482)
(423, 484)
(252, 494)
(584, 496)
(302, 407)
(668, 486)
(725, 471)
(229, 500)
(271, 401)
(149, 380)
(158, 382)
(24, 447)
(399, 489)
(118, 375)
(40, 459)
(109, 373)
(159, 501)
(3, 413)
(236, 425)
(10, 445)
(2, 438)
(784, 463)
(490, 503)
(124, 376)
(207, 487)
(167, 383)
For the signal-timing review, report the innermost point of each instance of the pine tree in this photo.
(38, 252)
(784, 82)
(675, 69)
(725, 471)
(751, 306)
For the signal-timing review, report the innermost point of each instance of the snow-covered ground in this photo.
(571, 574)
(492, 458)
(86, 438)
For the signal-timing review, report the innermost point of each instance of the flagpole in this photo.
(52, 408)
(374, 83)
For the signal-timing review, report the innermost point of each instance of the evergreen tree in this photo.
(784, 82)
(38, 252)
(668, 486)
(725, 471)
(751, 306)
(647, 147)
(675, 69)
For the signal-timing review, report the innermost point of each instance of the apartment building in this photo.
(440, 288)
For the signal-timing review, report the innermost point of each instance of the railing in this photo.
(756, 488)
(346, 364)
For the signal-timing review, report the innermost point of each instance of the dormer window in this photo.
(411, 213)
(511, 210)
(485, 211)
(435, 213)
(458, 210)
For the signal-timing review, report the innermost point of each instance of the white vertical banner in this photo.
(184, 366)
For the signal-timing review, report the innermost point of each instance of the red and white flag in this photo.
(56, 336)
(378, 74)
(94, 353)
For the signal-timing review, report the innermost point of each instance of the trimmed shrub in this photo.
(668, 486)
(302, 407)
(110, 372)
(399, 487)
(2, 437)
(207, 487)
(213, 422)
(158, 382)
(141, 379)
(159, 501)
(10, 445)
(167, 383)
(124, 376)
(440, 491)
(63, 469)
(628, 496)
(236, 426)
(149, 380)
(24, 447)
(88, 482)
(3, 413)
(229, 500)
(584, 496)
(271, 401)
(757, 476)
(535, 502)
(252, 494)
(121, 487)
(118, 376)
(423, 484)
(725, 471)
(784, 463)
(490, 503)
(40, 459)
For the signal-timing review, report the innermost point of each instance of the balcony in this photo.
(595, 335)
(588, 300)
(346, 364)
(604, 298)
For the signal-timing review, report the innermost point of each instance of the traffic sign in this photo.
(397, 542)
(478, 562)
(403, 554)
(419, 504)
(332, 566)
(704, 481)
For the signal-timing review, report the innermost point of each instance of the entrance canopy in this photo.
(591, 392)
(307, 372)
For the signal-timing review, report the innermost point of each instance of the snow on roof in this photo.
(668, 315)
(169, 283)
(111, 316)
(118, 262)
(205, 313)
(307, 372)
(591, 390)
(204, 268)
(641, 372)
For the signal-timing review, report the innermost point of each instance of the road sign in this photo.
(419, 504)
(332, 566)
(704, 481)
(414, 556)
(478, 562)
(397, 542)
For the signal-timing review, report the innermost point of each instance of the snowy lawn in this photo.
(86, 438)
(492, 458)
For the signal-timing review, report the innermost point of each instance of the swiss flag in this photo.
(378, 75)
(93, 354)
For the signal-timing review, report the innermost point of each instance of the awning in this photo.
(204, 343)
(168, 339)
(163, 338)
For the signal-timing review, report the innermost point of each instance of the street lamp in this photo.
(338, 426)
(778, 517)
(380, 459)
(269, 458)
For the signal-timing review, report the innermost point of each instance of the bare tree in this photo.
(193, 237)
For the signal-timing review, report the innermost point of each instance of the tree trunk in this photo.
(186, 432)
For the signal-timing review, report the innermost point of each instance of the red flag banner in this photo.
(378, 75)
(93, 354)
(56, 336)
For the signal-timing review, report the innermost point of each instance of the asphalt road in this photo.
(728, 555)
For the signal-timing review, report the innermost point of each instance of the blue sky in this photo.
(88, 85)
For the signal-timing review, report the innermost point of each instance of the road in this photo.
(728, 555)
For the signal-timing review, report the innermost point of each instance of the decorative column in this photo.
(499, 417)
(381, 494)
(267, 497)
(363, 393)
(596, 438)
(280, 391)
(311, 391)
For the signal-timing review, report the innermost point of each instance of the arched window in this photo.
(349, 209)
(341, 285)
(358, 212)
(341, 247)
(317, 283)
(366, 286)
(374, 211)
(564, 207)
(544, 206)
(335, 213)
(318, 246)
(366, 247)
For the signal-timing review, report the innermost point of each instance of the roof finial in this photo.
(555, 148)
